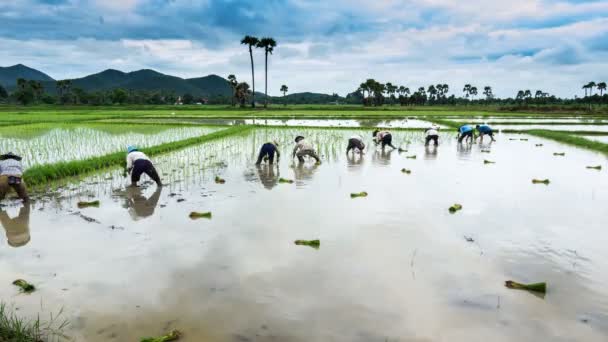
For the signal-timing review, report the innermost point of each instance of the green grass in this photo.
(570, 139)
(17, 329)
(43, 174)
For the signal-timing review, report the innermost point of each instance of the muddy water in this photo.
(394, 266)
(588, 128)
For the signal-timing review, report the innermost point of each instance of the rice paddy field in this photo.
(394, 265)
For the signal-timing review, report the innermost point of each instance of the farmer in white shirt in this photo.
(138, 163)
(303, 148)
(355, 143)
(432, 134)
(384, 138)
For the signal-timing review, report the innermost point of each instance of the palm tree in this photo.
(432, 92)
(538, 94)
(586, 86)
(284, 90)
(467, 90)
(473, 91)
(527, 94)
(446, 89)
(251, 42)
(487, 91)
(591, 85)
(601, 86)
(520, 95)
(268, 44)
(233, 83)
(242, 91)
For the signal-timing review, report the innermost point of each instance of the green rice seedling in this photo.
(488, 162)
(523, 139)
(598, 167)
(83, 204)
(358, 194)
(173, 335)
(17, 329)
(512, 139)
(540, 181)
(310, 243)
(454, 208)
(286, 181)
(411, 157)
(401, 150)
(559, 154)
(406, 171)
(485, 151)
(536, 287)
(24, 286)
(539, 145)
(196, 215)
(219, 180)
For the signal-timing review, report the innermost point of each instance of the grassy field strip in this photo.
(43, 174)
(568, 138)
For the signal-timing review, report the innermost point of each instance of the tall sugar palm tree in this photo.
(233, 83)
(601, 86)
(467, 90)
(284, 90)
(487, 91)
(268, 44)
(585, 87)
(473, 92)
(591, 85)
(251, 42)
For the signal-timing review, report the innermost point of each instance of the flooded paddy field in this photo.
(573, 128)
(393, 266)
(49, 143)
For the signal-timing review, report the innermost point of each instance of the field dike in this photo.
(570, 139)
(43, 174)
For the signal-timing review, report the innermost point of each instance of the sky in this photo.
(323, 45)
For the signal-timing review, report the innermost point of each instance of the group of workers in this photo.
(138, 163)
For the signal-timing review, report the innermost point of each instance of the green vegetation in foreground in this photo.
(173, 335)
(40, 175)
(570, 140)
(17, 329)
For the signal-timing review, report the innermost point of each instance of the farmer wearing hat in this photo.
(303, 148)
(268, 151)
(18, 228)
(432, 134)
(384, 138)
(11, 172)
(485, 130)
(355, 143)
(138, 163)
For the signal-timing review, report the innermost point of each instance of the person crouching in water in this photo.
(11, 173)
(432, 134)
(384, 138)
(465, 132)
(355, 143)
(138, 163)
(268, 150)
(485, 130)
(303, 148)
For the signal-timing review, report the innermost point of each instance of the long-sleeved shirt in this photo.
(432, 131)
(465, 128)
(133, 156)
(11, 167)
(380, 135)
(484, 129)
(302, 145)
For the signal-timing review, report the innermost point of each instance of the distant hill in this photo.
(9, 75)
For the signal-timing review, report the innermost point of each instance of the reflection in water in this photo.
(354, 160)
(430, 152)
(304, 171)
(18, 228)
(138, 205)
(382, 157)
(464, 150)
(268, 177)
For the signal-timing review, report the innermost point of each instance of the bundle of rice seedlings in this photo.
(309, 243)
(83, 204)
(540, 181)
(454, 208)
(173, 335)
(536, 287)
(358, 194)
(195, 215)
(24, 286)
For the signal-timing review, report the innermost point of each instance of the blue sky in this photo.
(326, 46)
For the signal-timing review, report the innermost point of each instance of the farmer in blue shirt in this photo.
(483, 130)
(465, 131)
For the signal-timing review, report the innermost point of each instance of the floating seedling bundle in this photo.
(173, 335)
(540, 181)
(83, 204)
(219, 180)
(310, 243)
(560, 154)
(454, 208)
(485, 151)
(598, 167)
(196, 215)
(488, 162)
(536, 287)
(285, 181)
(406, 171)
(24, 286)
(411, 157)
(538, 145)
(358, 194)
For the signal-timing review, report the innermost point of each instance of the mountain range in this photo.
(146, 79)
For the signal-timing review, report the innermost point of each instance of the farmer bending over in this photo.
(303, 148)
(11, 171)
(383, 137)
(355, 143)
(432, 134)
(485, 130)
(465, 131)
(268, 150)
(138, 163)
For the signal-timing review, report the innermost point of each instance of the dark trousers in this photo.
(465, 135)
(387, 140)
(269, 150)
(430, 138)
(354, 143)
(144, 166)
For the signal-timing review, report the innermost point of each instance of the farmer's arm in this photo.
(295, 149)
